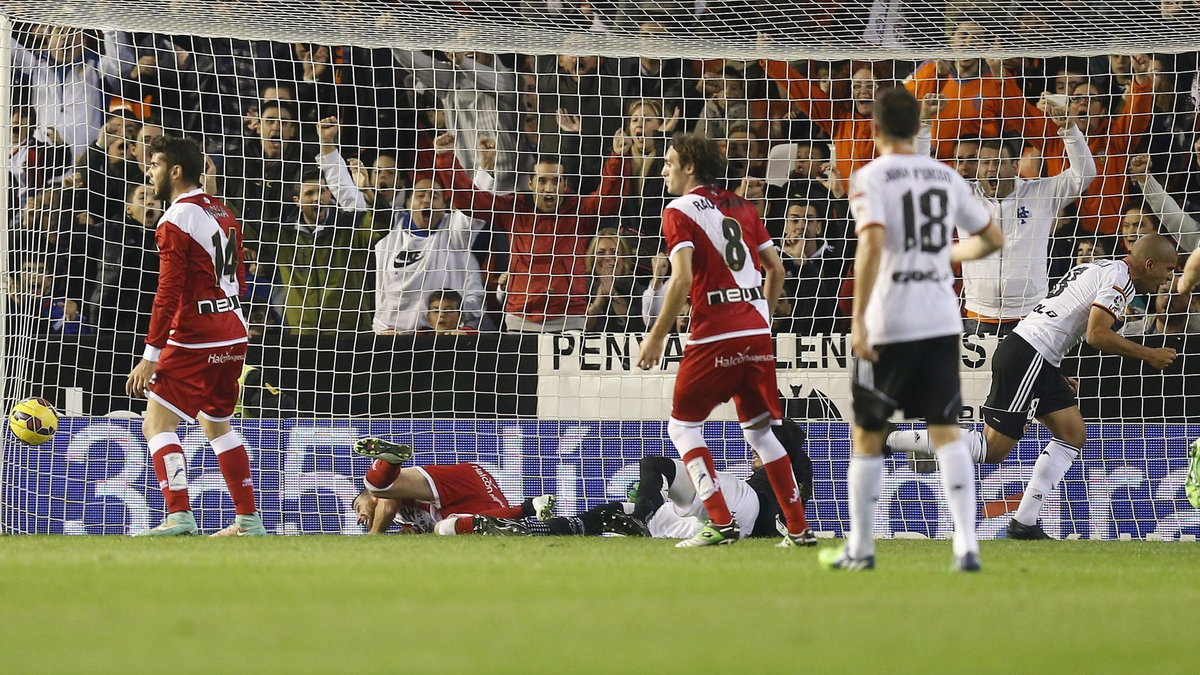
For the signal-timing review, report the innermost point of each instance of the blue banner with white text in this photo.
(96, 477)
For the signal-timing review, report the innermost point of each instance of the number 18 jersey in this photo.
(725, 234)
(918, 201)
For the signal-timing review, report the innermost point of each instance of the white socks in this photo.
(958, 480)
(1049, 469)
(917, 440)
(863, 478)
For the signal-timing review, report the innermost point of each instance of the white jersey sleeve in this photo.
(972, 216)
(1060, 320)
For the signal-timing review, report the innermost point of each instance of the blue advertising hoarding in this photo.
(95, 477)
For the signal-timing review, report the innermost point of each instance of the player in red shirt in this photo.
(196, 345)
(442, 499)
(717, 245)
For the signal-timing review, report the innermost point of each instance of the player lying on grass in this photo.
(1088, 304)
(422, 497)
(667, 506)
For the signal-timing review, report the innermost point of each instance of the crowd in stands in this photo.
(394, 191)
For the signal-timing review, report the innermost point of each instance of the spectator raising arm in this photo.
(335, 170)
(1174, 219)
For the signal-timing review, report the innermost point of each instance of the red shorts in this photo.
(466, 489)
(740, 368)
(204, 381)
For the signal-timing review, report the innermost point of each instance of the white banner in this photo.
(595, 376)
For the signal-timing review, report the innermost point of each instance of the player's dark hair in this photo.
(703, 153)
(445, 294)
(897, 113)
(184, 153)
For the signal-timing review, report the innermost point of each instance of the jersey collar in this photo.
(189, 193)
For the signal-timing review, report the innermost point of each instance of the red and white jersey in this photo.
(726, 235)
(200, 276)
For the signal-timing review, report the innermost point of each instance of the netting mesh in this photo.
(452, 211)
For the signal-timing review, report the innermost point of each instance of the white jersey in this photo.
(411, 263)
(682, 515)
(918, 201)
(1008, 285)
(1059, 321)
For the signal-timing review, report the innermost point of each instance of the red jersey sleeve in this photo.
(677, 230)
(172, 278)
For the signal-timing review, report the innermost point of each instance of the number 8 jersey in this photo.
(918, 201)
(725, 234)
(200, 276)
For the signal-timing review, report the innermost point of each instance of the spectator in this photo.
(1177, 222)
(33, 164)
(1001, 289)
(585, 90)
(1173, 313)
(1136, 224)
(966, 154)
(478, 95)
(1112, 136)
(813, 268)
(139, 146)
(616, 296)
(320, 259)
(30, 297)
(642, 208)
(652, 297)
(727, 108)
(548, 234)
(1088, 250)
(104, 168)
(129, 265)
(976, 103)
(444, 313)
(258, 183)
(744, 154)
(67, 79)
(426, 247)
(429, 248)
(651, 79)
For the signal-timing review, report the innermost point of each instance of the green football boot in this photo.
(178, 524)
(243, 526)
(713, 535)
(377, 448)
(1191, 485)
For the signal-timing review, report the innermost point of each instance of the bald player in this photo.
(1026, 378)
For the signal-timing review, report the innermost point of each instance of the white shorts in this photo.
(682, 514)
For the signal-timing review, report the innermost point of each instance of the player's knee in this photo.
(765, 444)
(685, 435)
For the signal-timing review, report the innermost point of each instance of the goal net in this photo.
(452, 215)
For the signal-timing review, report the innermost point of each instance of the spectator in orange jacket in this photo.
(1112, 137)
(979, 104)
(548, 232)
(848, 123)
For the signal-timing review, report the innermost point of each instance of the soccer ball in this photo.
(33, 420)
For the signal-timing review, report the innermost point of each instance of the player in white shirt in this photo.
(906, 331)
(1027, 381)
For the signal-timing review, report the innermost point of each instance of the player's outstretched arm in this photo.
(982, 243)
(1101, 336)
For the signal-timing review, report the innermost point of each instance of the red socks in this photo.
(700, 468)
(783, 484)
(381, 475)
(170, 467)
(235, 466)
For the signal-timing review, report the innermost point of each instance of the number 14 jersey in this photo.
(918, 202)
(725, 234)
(200, 275)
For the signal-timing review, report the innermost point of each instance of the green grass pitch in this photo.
(575, 605)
